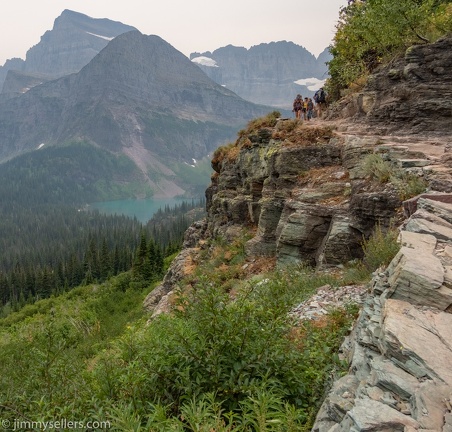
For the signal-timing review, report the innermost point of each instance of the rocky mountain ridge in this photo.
(72, 43)
(269, 74)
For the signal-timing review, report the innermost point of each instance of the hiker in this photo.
(310, 109)
(298, 106)
(320, 101)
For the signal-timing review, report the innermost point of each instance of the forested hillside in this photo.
(49, 239)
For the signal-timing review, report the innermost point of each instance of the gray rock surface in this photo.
(400, 351)
(310, 202)
(412, 94)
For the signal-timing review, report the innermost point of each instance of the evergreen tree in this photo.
(105, 264)
(140, 264)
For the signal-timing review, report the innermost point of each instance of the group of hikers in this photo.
(306, 109)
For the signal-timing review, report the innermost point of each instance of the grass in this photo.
(406, 184)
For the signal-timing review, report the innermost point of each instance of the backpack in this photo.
(319, 96)
(297, 104)
(316, 96)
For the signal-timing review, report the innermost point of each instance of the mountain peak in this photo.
(139, 97)
(268, 73)
(85, 22)
(73, 41)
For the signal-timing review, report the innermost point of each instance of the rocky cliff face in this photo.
(305, 194)
(400, 352)
(269, 74)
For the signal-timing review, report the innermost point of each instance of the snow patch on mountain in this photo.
(312, 84)
(205, 61)
(100, 36)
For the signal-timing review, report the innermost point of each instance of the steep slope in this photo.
(270, 73)
(140, 97)
(309, 194)
(399, 353)
(72, 43)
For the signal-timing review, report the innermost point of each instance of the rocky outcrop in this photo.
(413, 94)
(400, 351)
(309, 200)
(160, 298)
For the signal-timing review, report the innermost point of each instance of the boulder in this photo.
(181, 266)
(424, 222)
(418, 278)
(418, 337)
(438, 208)
(370, 415)
(341, 243)
(387, 376)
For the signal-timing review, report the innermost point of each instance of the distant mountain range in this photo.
(72, 43)
(269, 73)
(103, 83)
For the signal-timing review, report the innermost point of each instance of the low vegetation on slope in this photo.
(228, 358)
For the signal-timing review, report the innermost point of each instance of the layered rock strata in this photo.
(412, 94)
(400, 351)
(309, 202)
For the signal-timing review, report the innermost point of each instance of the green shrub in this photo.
(407, 184)
(226, 365)
(372, 32)
(377, 168)
(380, 248)
(223, 362)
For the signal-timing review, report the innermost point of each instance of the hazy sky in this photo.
(188, 25)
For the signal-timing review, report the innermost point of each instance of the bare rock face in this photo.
(414, 94)
(309, 202)
(400, 351)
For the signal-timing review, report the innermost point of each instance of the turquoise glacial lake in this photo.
(142, 209)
